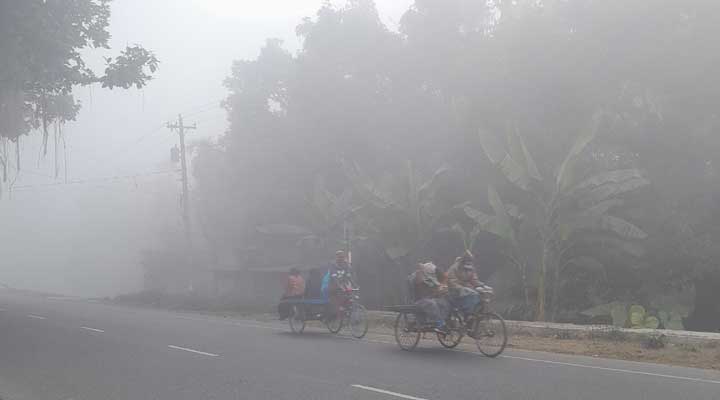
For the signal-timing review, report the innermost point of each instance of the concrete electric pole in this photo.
(183, 162)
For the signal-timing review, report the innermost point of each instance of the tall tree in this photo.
(41, 60)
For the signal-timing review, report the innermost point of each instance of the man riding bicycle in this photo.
(464, 285)
(337, 280)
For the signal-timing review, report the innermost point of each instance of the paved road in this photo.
(69, 349)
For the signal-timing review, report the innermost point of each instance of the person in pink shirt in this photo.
(294, 289)
(295, 286)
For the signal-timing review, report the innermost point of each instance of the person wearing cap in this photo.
(339, 273)
(339, 277)
(463, 283)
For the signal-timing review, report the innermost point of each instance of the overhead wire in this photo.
(116, 178)
(212, 102)
(154, 131)
(26, 170)
(192, 111)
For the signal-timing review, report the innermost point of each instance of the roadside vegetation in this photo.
(572, 146)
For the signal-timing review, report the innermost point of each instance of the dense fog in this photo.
(571, 146)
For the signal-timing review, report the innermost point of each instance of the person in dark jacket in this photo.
(463, 284)
(429, 295)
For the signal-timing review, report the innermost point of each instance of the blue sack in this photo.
(324, 286)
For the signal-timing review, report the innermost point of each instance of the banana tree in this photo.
(329, 217)
(508, 224)
(561, 208)
(404, 218)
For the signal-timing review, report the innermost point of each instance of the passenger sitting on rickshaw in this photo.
(294, 289)
(463, 284)
(336, 280)
(429, 295)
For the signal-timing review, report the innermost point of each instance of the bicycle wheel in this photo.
(455, 332)
(335, 325)
(297, 319)
(358, 321)
(407, 334)
(490, 334)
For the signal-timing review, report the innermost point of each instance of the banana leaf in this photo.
(586, 136)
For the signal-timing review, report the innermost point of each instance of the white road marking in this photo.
(193, 351)
(387, 392)
(620, 370)
(35, 316)
(245, 325)
(617, 370)
(92, 329)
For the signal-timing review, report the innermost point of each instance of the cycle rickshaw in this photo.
(315, 306)
(485, 327)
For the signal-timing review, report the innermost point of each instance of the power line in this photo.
(116, 178)
(125, 149)
(25, 170)
(209, 103)
(204, 110)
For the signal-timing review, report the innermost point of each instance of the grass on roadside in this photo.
(688, 355)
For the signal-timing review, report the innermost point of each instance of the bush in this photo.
(654, 342)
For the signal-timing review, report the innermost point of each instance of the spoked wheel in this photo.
(490, 334)
(297, 319)
(455, 332)
(407, 334)
(358, 321)
(334, 325)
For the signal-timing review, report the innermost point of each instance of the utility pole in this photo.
(183, 162)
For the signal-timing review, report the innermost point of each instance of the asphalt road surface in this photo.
(64, 349)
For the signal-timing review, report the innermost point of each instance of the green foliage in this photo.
(636, 316)
(616, 309)
(565, 213)
(42, 48)
(568, 195)
(405, 219)
(654, 342)
(672, 320)
(639, 318)
(128, 68)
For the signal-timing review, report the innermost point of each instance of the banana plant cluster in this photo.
(328, 214)
(404, 219)
(564, 206)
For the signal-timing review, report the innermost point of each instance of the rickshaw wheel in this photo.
(335, 325)
(455, 332)
(358, 321)
(490, 334)
(407, 334)
(297, 320)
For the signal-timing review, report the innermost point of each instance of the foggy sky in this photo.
(83, 239)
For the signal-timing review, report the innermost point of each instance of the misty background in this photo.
(84, 239)
(571, 145)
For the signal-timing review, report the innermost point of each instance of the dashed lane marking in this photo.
(387, 392)
(193, 351)
(92, 329)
